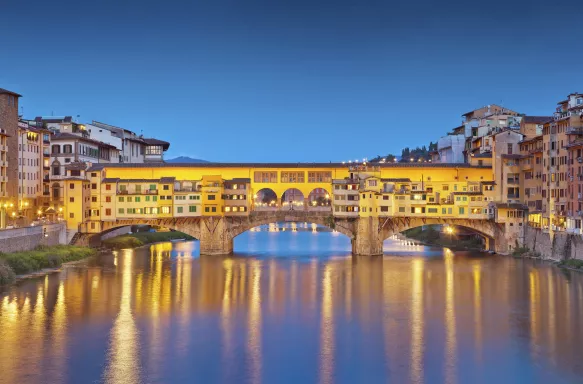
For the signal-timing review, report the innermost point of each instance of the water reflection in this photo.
(166, 315)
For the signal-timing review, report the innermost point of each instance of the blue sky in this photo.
(289, 80)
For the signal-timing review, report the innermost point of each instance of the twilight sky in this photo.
(289, 80)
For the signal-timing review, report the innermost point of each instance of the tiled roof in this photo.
(7, 92)
(536, 119)
(279, 165)
(110, 180)
(467, 193)
(167, 179)
(76, 165)
(152, 141)
(70, 136)
(396, 180)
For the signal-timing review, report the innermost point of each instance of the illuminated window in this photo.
(165, 209)
(227, 209)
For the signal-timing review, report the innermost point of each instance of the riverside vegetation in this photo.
(19, 263)
(138, 239)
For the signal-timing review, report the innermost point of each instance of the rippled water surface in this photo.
(295, 307)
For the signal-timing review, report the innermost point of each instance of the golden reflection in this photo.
(417, 322)
(254, 341)
(450, 321)
(327, 329)
(123, 363)
(534, 301)
(226, 317)
(182, 299)
(58, 343)
(477, 276)
(552, 315)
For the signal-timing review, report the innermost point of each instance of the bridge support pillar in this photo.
(215, 239)
(367, 240)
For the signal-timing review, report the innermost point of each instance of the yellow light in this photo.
(327, 196)
(11, 205)
(60, 209)
(13, 214)
(26, 204)
(39, 212)
(255, 196)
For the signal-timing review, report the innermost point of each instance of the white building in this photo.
(451, 149)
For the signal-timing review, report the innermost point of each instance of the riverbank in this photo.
(139, 239)
(16, 264)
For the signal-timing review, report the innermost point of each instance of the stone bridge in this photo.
(216, 233)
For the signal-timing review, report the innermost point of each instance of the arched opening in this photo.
(319, 200)
(287, 238)
(445, 235)
(265, 200)
(293, 200)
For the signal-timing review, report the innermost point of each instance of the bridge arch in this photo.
(345, 227)
(487, 229)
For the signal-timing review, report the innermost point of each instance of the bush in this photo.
(573, 263)
(141, 238)
(6, 273)
(42, 257)
(520, 251)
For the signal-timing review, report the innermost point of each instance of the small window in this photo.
(120, 210)
(107, 211)
(211, 197)
(120, 199)
(71, 199)
(108, 187)
(178, 209)
(166, 187)
(71, 186)
(192, 208)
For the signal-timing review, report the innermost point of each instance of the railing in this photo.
(575, 131)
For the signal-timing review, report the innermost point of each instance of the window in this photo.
(292, 177)
(93, 186)
(265, 177)
(55, 149)
(206, 209)
(93, 174)
(152, 187)
(56, 170)
(71, 186)
(165, 209)
(154, 198)
(107, 211)
(372, 183)
(138, 189)
(120, 199)
(319, 177)
(462, 210)
(213, 209)
(94, 199)
(108, 187)
(166, 187)
(108, 199)
(67, 148)
(178, 209)
(120, 210)
(194, 197)
(211, 197)
(71, 199)
(137, 199)
(192, 208)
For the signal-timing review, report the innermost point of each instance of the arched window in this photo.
(56, 148)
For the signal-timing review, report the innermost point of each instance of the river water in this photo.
(295, 307)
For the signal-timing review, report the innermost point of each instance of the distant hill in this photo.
(185, 159)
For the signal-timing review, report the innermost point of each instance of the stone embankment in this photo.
(563, 246)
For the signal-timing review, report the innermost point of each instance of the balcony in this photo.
(575, 131)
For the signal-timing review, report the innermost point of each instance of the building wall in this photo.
(9, 123)
(26, 239)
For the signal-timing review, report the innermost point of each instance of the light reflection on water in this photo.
(294, 306)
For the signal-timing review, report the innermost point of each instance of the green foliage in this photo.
(520, 251)
(43, 257)
(6, 273)
(141, 238)
(572, 263)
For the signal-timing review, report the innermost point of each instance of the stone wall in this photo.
(26, 239)
(563, 246)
